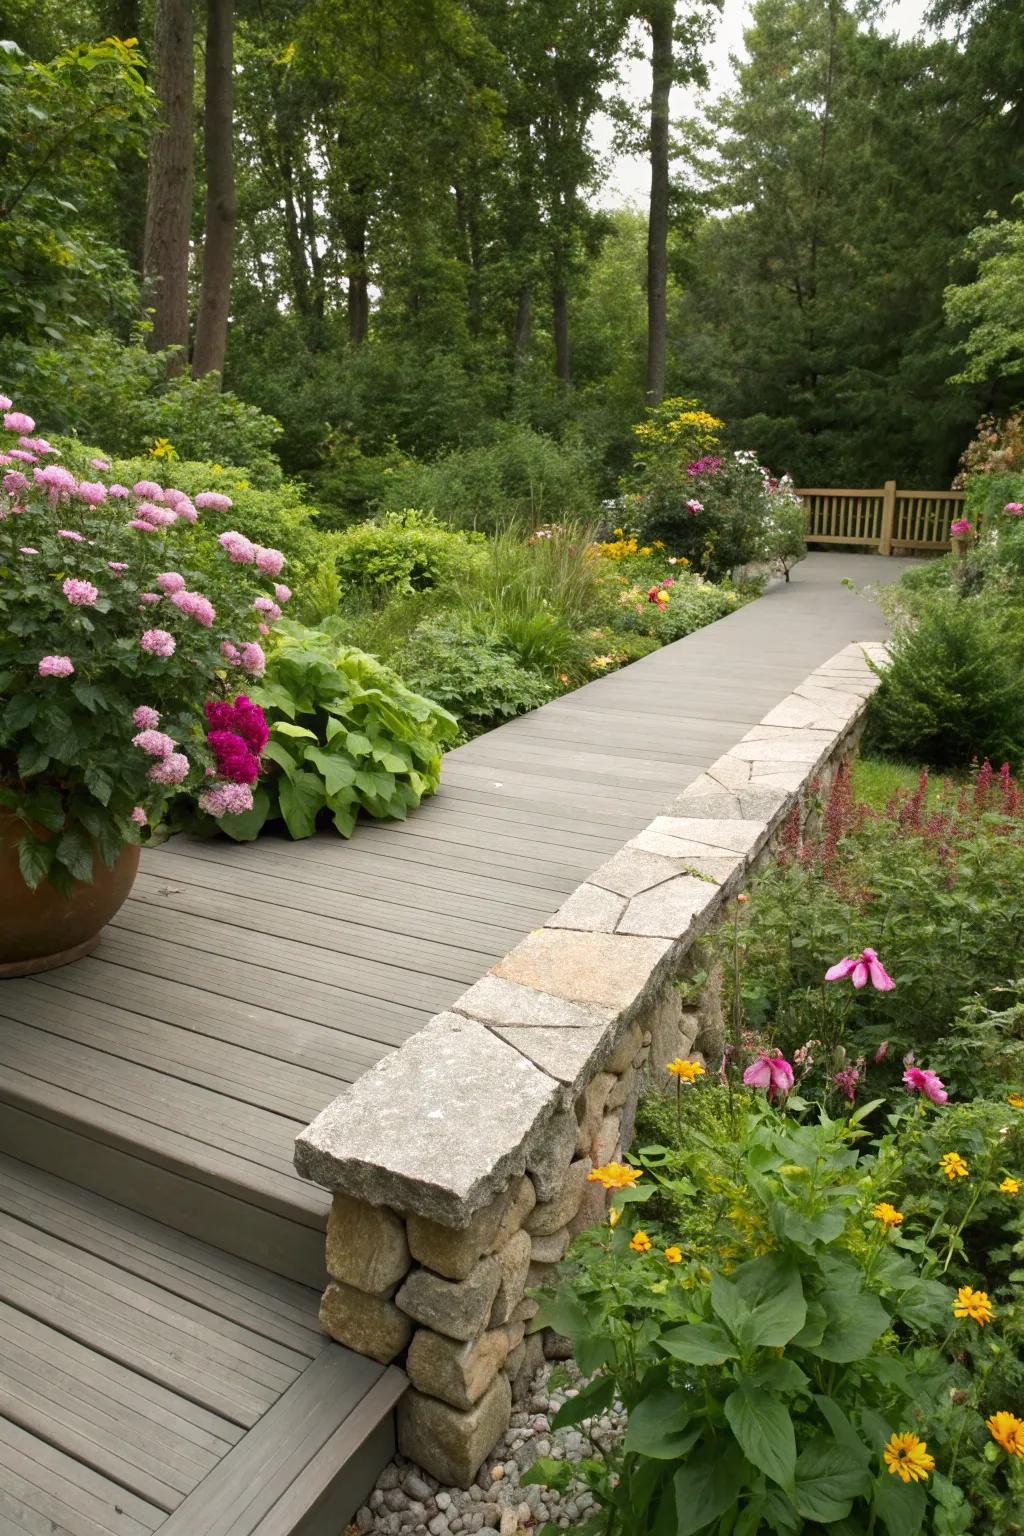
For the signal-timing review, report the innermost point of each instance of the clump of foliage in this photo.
(403, 552)
(471, 674)
(951, 686)
(346, 735)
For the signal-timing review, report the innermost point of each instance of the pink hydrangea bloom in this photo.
(139, 816)
(253, 660)
(170, 581)
(150, 597)
(36, 445)
(5, 402)
(142, 525)
(15, 481)
(772, 1072)
(55, 480)
(117, 566)
(186, 511)
(160, 517)
(281, 592)
(214, 501)
(148, 490)
(263, 629)
(154, 743)
(1015, 508)
(230, 652)
(23, 456)
(270, 561)
(239, 549)
(693, 506)
(862, 968)
(145, 717)
(158, 642)
(91, 491)
(80, 594)
(55, 666)
(922, 1080)
(118, 491)
(170, 770)
(226, 799)
(26, 549)
(195, 606)
(268, 608)
(69, 533)
(104, 464)
(17, 421)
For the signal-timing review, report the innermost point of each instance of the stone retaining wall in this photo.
(459, 1163)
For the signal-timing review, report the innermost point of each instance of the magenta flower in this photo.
(960, 528)
(233, 758)
(927, 1083)
(847, 1079)
(55, 480)
(772, 1072)
(243, 717)
(17, 421)
(154, 743)
(158, 642)
(55, 666)
(169, 770)
(864, 967)
(80, 594)
(146, 718)
(226, 799)
(214, 501)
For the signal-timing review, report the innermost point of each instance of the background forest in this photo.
(378, 225)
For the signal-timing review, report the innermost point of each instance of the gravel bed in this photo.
(406, 1502)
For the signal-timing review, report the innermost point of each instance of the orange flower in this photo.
(687, 1071)
(973, 1304)
(674, 1254)
(1010, 1186)
(887, 1214)
(1008, 1431)
(614, 1176)
(640, 1242)
(953, 1166)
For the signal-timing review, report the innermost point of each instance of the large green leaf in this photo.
(764, 1430)
(75, 852)
(699, 1344)
(32, 758)
(828, 1479)
(900, 1506)
(302, 798)
(659, 1425)
(707, 1486)
(853, 1323)
(762, 1304)
(338, 772)
(34, 859)
(594, 1398)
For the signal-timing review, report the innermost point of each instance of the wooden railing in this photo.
(887, 518)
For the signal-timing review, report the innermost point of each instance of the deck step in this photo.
(150, 1382)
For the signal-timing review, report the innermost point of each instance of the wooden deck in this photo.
(237, 992)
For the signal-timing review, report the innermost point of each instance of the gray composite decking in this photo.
(241, 988)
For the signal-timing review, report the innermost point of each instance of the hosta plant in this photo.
(119, 678)
(345, 735)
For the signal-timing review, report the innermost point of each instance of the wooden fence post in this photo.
(888, 517)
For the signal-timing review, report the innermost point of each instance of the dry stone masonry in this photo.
(459, 1163)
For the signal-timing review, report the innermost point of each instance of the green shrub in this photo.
(345, 735)
(952, 690)
(471, 675)
(521, 477)
(404, 552)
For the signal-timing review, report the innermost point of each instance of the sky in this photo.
(630, 177)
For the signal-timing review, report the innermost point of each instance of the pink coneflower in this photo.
(927, 1083)
(154, 743)
(862, 968)
(772, 1072)
(55, 666)
(170, 770)
(80, 594)
(195, 606)
(170, 581)
(17, 421)
(158, 642)
(214, 501)
(270, 561)
(145, 717)
(226, 800)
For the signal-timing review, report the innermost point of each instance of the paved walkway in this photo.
(241, 988)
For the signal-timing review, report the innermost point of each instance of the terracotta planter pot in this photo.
(40, 929)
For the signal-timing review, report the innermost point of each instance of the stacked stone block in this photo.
(460, 1163)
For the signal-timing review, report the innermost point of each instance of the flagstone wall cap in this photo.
(436, 1128)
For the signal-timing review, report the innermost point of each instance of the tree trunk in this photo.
(660, 19)
(169, 200)
(521, 335)
(123, 19)
(354, 228)
(219, 235)
(560, 307)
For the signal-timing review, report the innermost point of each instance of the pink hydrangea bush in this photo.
(119, 674)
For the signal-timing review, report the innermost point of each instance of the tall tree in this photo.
(169, 195)
(219, 231)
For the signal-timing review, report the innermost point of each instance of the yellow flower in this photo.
(1010, 1187)
(601, 661)
(1015, 1100)
(973, 1304)
(162, 449)
(887, 1214)
(908, 1458)
(686, 1071)
(646, 549)
(1008, 1431)
(953, 1166)
(674, 1255)
(617, 532)
(640, 1242)
(614, 1217)
(614, 1176)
